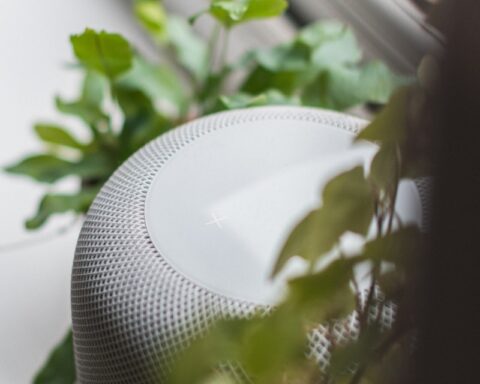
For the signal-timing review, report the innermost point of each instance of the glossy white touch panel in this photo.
(220, 209)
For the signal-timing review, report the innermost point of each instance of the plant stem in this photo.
(398, 164)
(212, 45)
(224, 52)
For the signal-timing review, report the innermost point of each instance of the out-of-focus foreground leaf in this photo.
(269, 346)
(252, 346)
(347, 205)
(389, 126)
(60, 366)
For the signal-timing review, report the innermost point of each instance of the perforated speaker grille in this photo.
(131, 310)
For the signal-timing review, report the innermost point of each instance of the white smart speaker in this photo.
(187, 230)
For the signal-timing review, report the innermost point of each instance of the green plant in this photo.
(321, 67)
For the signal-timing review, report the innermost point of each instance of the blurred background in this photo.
(35, 266)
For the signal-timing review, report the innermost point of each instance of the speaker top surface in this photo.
(221, 208)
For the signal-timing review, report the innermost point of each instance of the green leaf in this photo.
(107, 53)
(60, 366)
(321, 64)
(355, 352)
(285, 57)
(261, 346)
(49, 168)
(399, 247)
(220, 344)
(88, 106)
(55, 134)
(156, 81)
(89, 113)
(378, 83)
(325, 295)
(261, 78)
(349, 198)
(44, 168)
(244, 100)
(389, 126)
(94, 165)
(332, 44)
(152, 16)
(273, 343)
(191, 51)
(347, 206)
(60, 203)
(341, 87)
(231, 12)
(384, 167)
(285, 67)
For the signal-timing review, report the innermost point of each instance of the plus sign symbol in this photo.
(216, 220)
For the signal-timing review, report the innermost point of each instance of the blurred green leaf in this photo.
(356, 352)
(152, 16)
(399, 247)
(244, 100)
(191, 51)
(285, 57)
(261, 78)
(89, 113)
(107, 53)
(219, 378)
(60, 366)
(44, 168)
(88, 106)
(262, 347)
(54, 134)
(332, 43)
(60, 203)
(347, 206)
(231, 12)
(220, 344)
(49, 168)
(156, 81)
(325, 295)
(271, 344)
(384, 167)
(389, 126)
(323, 65)
(285, 67)
(341, 87)
(142, 122)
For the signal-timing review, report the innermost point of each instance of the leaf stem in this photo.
(212, 45)
(224, 51)
(393, 200)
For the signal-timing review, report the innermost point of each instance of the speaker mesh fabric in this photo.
(131, 310)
